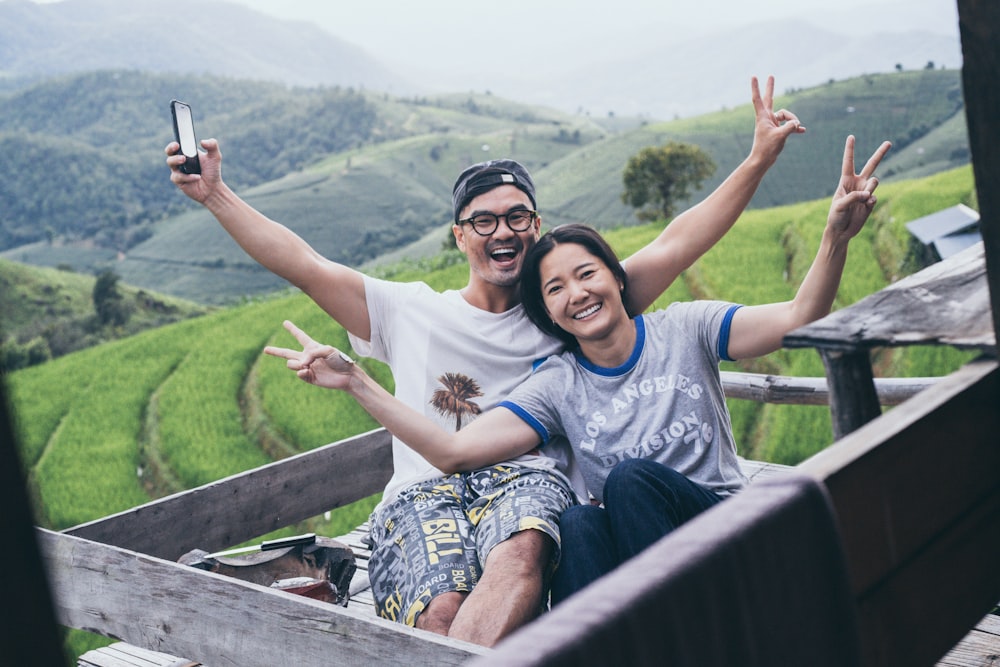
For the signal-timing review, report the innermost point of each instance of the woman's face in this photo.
(580, 293)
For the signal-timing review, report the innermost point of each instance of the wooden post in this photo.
(853, 399)
(28, 633)
(978, 21)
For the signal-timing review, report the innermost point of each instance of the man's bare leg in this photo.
(509, 594)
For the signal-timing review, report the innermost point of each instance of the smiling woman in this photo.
(578, 275)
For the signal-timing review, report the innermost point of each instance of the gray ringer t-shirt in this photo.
(665, 403)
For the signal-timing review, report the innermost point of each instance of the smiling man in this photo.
(469, 555)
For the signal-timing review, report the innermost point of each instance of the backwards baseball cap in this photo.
(483, 177)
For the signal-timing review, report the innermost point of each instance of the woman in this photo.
(639, 399)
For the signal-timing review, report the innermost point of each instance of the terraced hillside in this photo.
(107, 428)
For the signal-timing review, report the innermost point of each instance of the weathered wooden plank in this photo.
(121, 654)
(916, 495)
(244, 506)
(980, 648)
(929, 602)
(218, 620)
(758, 470)
(812, 390)
(945, 303)
(897, 476)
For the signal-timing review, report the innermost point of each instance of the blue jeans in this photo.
(643, 501)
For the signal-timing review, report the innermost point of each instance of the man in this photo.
(468, 555)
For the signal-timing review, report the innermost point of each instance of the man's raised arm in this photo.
(652, 269)
(337, 289)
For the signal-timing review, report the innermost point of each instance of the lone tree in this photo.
(657, 178)
(109, 304)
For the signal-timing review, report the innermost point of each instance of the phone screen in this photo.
(185, 130)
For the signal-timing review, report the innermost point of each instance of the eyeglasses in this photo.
(485, 224)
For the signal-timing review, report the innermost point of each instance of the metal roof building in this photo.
(948, 231)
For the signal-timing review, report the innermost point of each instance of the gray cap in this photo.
(485, 176)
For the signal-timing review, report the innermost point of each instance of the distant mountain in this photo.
(179, 36)
(359, 163)
(361, 174)
(683, 78)
(677, 75)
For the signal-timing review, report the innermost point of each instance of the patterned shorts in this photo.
(433, 536)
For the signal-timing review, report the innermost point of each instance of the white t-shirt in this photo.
(451, 361)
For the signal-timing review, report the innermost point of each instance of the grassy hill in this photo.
(187, 403)
(927, 137)
(360, 175)
(107, 428)
(50, 312)
(341, 204)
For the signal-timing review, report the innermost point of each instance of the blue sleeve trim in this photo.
(727, 322)
(542, 432)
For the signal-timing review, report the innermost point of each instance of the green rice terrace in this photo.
(107, 428)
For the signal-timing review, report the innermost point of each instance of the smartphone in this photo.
(184, 135)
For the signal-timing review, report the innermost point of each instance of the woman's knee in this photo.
(632, 471)
(641, 482)
(583, 522)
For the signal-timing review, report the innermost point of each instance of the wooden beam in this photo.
(979, 24)
(914, 616)
(28, 633)
(218, 620)
(917, 494)
(787, 390)
(946, 303)
(250, 504)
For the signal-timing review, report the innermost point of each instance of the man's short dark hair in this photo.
(483, 177)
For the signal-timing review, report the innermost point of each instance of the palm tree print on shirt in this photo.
(454, 398)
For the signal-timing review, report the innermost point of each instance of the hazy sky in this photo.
(545, 38)
(452, 45)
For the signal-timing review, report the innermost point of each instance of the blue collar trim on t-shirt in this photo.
(640, 343)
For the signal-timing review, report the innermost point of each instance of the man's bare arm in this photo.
(337, 289)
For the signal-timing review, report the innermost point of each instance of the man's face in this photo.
(497, 259)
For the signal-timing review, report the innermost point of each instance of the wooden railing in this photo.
(785, 389)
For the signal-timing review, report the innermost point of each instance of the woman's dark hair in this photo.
(531, 279)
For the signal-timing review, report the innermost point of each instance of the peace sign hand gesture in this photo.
(854, 198)
(318, 364)
(771, 128)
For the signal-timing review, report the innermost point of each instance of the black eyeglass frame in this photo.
(532, 216)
